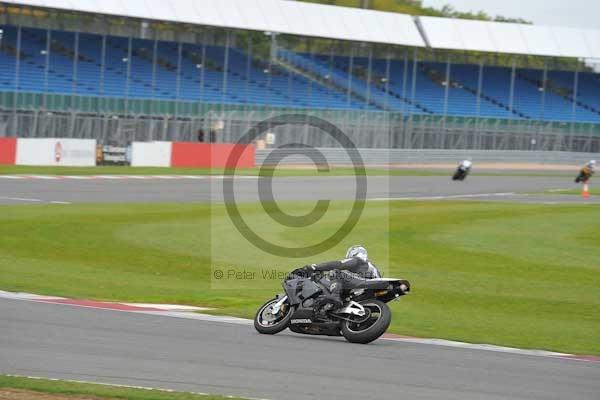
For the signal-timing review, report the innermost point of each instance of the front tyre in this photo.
(370, 327)
(269, 324)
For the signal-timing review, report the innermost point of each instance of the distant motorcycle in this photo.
(462, 171)
(306, 307)
(586, 172)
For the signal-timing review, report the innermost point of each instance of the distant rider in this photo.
(465, 165)
(462, 171)
(586, 172)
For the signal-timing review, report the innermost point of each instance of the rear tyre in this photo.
(269, 324)
(366, 329)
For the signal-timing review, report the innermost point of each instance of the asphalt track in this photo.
(59, 341)
(66, 342)
(292, 188)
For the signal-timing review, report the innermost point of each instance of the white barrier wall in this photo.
(151, 154)
(56, 151)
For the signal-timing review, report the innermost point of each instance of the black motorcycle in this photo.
(461, 173)
(309, 307)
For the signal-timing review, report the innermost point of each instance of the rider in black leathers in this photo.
(356, 262)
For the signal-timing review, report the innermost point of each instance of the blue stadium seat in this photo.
(323, 82)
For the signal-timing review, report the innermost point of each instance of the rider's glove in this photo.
(305, 271)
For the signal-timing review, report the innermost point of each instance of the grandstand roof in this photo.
(503, 37)
(317, 20)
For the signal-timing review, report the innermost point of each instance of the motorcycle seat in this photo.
(354, 281)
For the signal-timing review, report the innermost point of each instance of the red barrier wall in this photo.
(8, 150)
(211, 155)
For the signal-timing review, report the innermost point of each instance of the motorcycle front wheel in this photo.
(370, 327)
(268, 323)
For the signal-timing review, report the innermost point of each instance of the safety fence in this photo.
(370, 157)
(365, 129)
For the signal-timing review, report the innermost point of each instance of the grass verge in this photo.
(520, 275)
(279, 171)
(73, 390)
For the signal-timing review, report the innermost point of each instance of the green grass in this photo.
(511, 274)
(124, 170)
(67, 388)
(279, 171)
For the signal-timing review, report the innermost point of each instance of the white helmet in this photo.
(467, 163)
(357, 251)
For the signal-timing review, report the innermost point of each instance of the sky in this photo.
(573, 13)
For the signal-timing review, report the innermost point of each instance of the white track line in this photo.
(454, 196)
(21, 199)
(124, 177)
(34, 200)
(129, 386)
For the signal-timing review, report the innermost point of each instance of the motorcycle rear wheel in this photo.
(371, 328)
(269, 324)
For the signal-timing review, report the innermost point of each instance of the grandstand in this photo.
(385, 71)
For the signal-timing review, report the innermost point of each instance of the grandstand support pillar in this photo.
(511, 96)
(154, 66)
(574, 106)
(543, 90)
(478, 106)
(102, 70)
(331, 45)
(46, 68)
(75, 71)
(388, 61)
(413, 92)
(128, 73)
(369, 75)
(441, 136)
(404, 82)
(178, 77)
(202, 69)
(350, 69)
(226, 69)
(247, 83)
(17, 75)
(270, 64)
